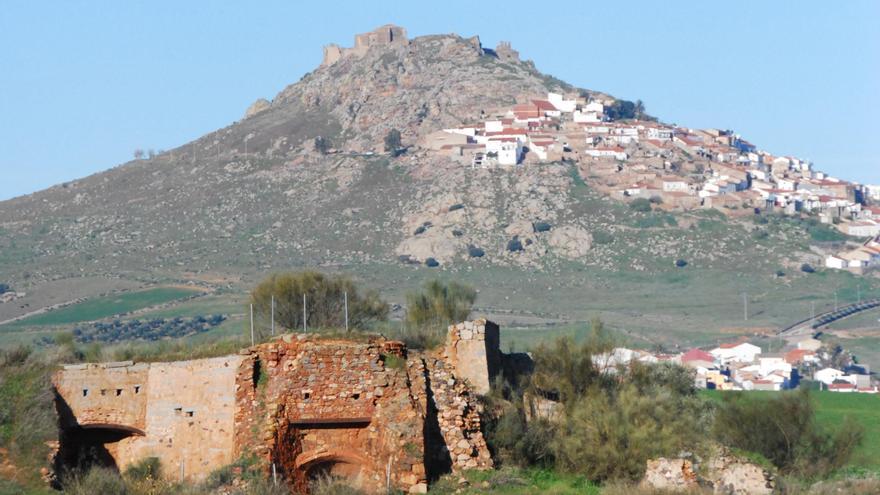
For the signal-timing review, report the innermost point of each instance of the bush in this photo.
(94, 481)
(4, 288)
(457, 233)
(780, 273)
(432, 263)
(641, 205)
(602, 237)
(146, 468)
(681, 263)
(541, 227)
(806, 268)
(783, 429)
(322, 144)
(392, 141)
(324, 301)
(475, 252)
(457, 206)
(420, 230)
(439, 304)
(655, 200)
(514, 245)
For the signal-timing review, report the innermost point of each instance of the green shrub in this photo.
(641, 205)
(541, 226)
(146, 468)
(439, 303)
(602, 237)
(94, 481)
(514, 245)
(475, 252)
(784, 430)
(325, 301)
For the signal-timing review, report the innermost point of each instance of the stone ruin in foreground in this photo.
(366, 410)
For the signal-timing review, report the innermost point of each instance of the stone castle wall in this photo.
(386, 35)
(473, 349)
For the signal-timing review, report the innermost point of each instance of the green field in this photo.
(102, 307)
(832, 408)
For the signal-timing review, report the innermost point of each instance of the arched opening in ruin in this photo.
(84, 447)
(333, 468)
(330, 466)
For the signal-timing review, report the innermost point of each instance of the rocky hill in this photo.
(258, 196)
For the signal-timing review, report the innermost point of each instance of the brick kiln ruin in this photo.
(367, 410)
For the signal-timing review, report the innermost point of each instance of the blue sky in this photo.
(83, 84)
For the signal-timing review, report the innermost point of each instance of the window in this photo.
(355, 396)
(307, 395)
(85, 392)
(118, 392)
(190, 414)
(178, 410)
(137, 389)
(103, 391)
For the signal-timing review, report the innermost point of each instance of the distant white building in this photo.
(580, 116)
(827, 375)
(611, 151)
(873, 192)
(508, 151)
(738, 353)
(561, 103)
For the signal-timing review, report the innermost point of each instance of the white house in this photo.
(580, 116)
(674, 184)
(508, 150)
(561, 103)
(612, 151)
(739, 353)
(494, 126)
(661, 133)
(771, 364)
(865, 228)
(873, 192)
(827, 375)
(596, 107)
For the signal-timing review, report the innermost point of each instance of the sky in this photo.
(85, 83)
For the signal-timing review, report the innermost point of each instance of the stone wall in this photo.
(473, 351)
(387, 35)
(367, 409)
(181, 412)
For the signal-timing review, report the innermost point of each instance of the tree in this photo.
(325, 301)
(392, 141)
(621, 109)
(440, 303)
(322, 144)
(138, 154)
(639, 109)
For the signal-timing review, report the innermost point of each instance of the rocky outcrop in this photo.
(675, 475)
(724, 474)
(256, 107)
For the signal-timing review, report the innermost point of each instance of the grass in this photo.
(512, 481)
(832, 408)
(103, 307)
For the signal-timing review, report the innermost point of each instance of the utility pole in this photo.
(273, 316)
(859, 292)
(252, 324)
(305, 327)
(274, 475)
(345, 295)
(745, 306)
(835, 301)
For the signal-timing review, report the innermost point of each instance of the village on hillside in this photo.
(629, 156)
(743, 366)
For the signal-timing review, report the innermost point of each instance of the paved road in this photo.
(808, 326)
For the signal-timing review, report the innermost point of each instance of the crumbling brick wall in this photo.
(367, 409)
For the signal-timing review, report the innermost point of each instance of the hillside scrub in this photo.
(430, 310)
(784, 430)
(324, 301)
(608, 420)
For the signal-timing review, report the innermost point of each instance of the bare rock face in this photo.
(731, 475)
(725, 473)
(256, 107)
(571, 241)
(670, 475)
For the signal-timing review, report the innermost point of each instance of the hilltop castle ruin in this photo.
(367, 410)
(388, 34)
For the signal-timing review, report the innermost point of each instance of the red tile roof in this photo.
(697, 355)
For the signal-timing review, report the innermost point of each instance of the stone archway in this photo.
(335, 463)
